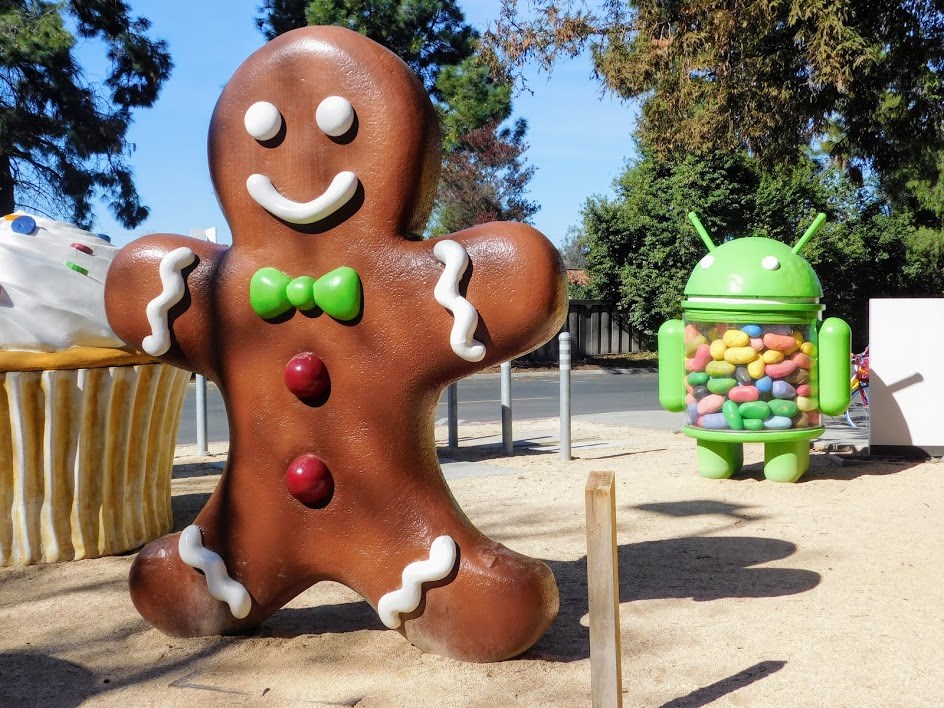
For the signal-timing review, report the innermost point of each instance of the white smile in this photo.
(338, 193)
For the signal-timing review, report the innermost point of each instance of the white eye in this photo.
(263, 121)
(706, 261)
(335, 116)
(770, 263)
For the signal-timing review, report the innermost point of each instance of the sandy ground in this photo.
(829, 592)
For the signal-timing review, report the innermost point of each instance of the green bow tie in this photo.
(272, 292)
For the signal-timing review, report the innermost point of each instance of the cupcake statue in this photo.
(87, 426)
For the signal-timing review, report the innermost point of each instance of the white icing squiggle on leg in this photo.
(466, 318)
(221, 586)
(442, 557)
(174, 287)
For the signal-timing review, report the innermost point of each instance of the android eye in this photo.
(706, 261)
(263, 121)
(335, 116)
(770, 263)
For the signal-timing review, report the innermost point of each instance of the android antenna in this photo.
(701, 231)
(814, 227)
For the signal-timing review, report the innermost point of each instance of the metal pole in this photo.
(452, 403)
(508, 441)
(564, 395)
(201, 415)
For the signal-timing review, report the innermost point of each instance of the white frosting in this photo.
(405, 599)
(466, 317)
(338, 193)
(335, 116)
(262, 120)
(173, 290)
(221, 586)
(44, 305)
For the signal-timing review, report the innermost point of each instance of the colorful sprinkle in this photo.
(82, 247)
(104, 237)
(25, 225)
(77, 268)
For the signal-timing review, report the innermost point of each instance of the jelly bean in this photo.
(779, 329)
(757, 410)
(803, 390)
(778, 422)
(691, 344)
(807, 404)
(751, 330)
(710, 404)
(756, 368)
(713, 421)
(744, 394)
(732, 415)
(802, 360)
(780, 342)
(764, 384)
(808, 348)
(781, 370)
(753, 424)
(814, 417)
(740, 355)
(699, 360)
(690, 398)
(720, 369)
(736, 338)
(699, 392)
(697, 378)
(717, 349)
(772, 356)
(801, 420)
(743, 376)
(721, 386)
(800, 376)
(781, 389)
(691, 331)
(757, 344)
(784, 409)
(691, 413)
(688, 387)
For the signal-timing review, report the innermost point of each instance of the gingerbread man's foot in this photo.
(170, 593)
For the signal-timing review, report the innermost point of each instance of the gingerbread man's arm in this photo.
(159, 298)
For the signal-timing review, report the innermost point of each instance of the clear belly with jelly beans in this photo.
(751, 377)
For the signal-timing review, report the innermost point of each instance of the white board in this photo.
(906, 340)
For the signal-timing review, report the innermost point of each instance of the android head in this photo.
(754, 274)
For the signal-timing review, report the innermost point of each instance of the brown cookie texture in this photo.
(332, 471)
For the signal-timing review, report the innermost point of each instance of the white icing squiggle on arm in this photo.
(174, 287)
(466, 318)
(221, 586)
(442, 557)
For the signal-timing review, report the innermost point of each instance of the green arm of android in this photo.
(835, 350)
(672, 366)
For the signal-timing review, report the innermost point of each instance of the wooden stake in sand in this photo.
(603, 584)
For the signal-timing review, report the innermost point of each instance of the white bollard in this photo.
(201, 384)
(507, 440)
(564, 340)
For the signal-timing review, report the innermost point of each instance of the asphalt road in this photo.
(534, 395)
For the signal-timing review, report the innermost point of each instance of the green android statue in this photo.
(751, 361)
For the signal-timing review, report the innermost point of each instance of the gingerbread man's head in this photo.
(316, 133)
(331, 329)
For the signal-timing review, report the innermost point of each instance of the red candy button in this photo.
(82, 247)
(306, 376)
(309, 480)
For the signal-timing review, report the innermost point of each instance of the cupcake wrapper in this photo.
(85, 460)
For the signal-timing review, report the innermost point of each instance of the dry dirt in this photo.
(829, 592)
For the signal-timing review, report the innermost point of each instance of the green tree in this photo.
(642, 248)
(768, 77)
(485, 174)
(62, 137)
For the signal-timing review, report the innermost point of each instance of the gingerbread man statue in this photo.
(331, 328)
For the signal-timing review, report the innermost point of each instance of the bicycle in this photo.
(859, 383)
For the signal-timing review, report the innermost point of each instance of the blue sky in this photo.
(579, 139)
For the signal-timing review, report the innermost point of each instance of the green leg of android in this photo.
(719, 460)
(786, 461)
